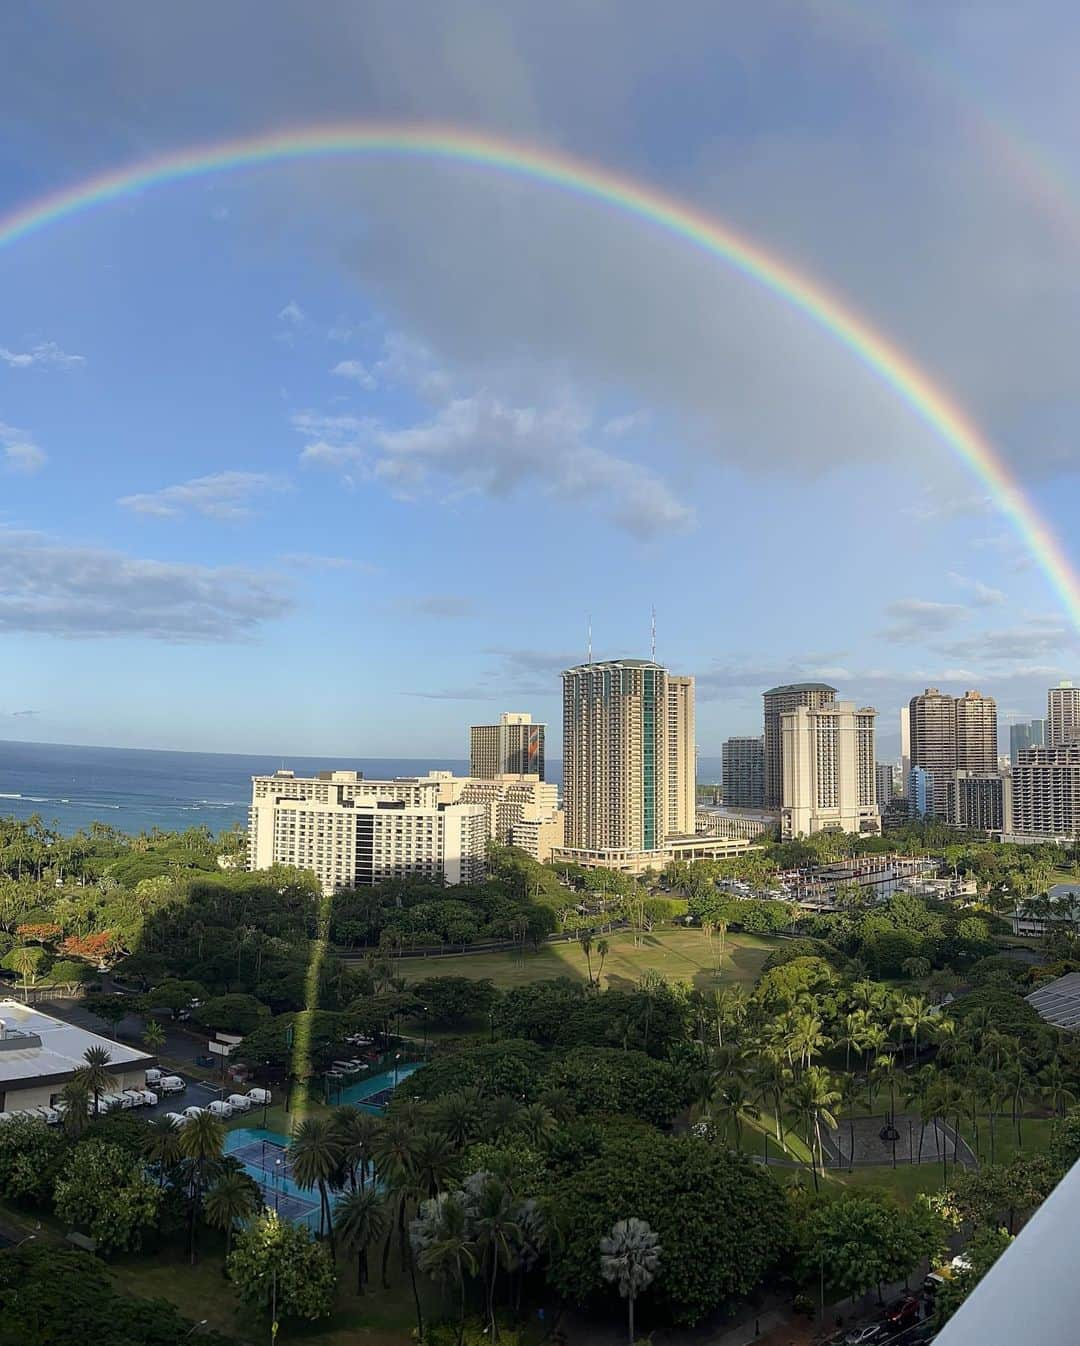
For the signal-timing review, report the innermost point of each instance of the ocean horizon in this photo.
(137, 789)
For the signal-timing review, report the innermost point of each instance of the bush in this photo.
(607, 1080)
(303, 1276)
(104, 1192)
(30, 1157)
(512, 1067)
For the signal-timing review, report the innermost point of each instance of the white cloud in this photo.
(982, 595)
(49, 587)
(481, 442)
(293, 314)
(223, 495)
(18, 452)
(914, 619)
(355, 372)
(45, 355)
(313, 561)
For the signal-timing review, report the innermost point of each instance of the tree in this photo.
(202, 1144)
(630, 1258)
(103, 1191)
(812, 1100)
(444, 1243)
(452, 1000)
(229, 1202)
(105, 1005)
(95, 1077)
(497, 1234)
(153, 1035)
(723, 1223)
(161, 1146)
(316, 1152)
(985, 1247)
(278, 1266)
(28, 962)
(30, 1155)
(230, 1014)
(361, 1218)
(75, 1102)
(857, 1242)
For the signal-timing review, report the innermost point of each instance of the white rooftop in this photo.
(62, 1050)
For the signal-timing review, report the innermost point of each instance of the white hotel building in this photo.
(351, 832)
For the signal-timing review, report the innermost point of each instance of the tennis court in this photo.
(373, 1094)
(264, 1155)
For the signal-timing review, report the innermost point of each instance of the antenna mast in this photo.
(654, 635)
(588, 640)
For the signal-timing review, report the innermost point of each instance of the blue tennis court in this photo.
(264, 1155)
(373, 1094)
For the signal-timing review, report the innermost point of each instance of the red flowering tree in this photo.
(41, 932)
(100, 947)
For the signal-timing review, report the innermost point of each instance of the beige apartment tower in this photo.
(976, 733)
(513, 747)
(932, 727)
(628, 755)
(778, 701)
(1062, 714)
(829, 770)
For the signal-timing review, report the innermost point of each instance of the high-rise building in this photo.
(933, 746)
(976, 733)
(682, 755)
(977, 801)
(918, 794)
(905, 748)
(883, 776)
(352, 832)
(829, 780)
(626, 736)
(1045, 794)
(1062, 714)
(513, 747)
(777, 702)
(744, 772)
(1019, 738)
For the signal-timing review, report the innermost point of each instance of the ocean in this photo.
(136, 789)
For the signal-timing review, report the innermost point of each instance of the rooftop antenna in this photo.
(654, 635)
(588, 640)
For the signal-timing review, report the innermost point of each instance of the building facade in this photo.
(1062, 714)
(976, 733)
(883, 785)
(978, 801)
(829, 780)
(352, 832)
(1045, 795)
(513, 747)
(905, 748)
(747, 824)
(510, 801)
(628, 760)
(743, 770)
(1026, 734)
(777, 702)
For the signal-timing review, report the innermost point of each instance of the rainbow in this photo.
(927, 400)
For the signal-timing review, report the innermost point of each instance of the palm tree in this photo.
(812, 1100)
(498, 1235)
(919, 1091)
(355, 1131)
(26, 962)
(233, 1199)
(629, 1257)
(161, 1145)
(361, 1218)
(94, 1076)
(315, 1153)
(76, 1100)
(459, 1116)
(1056, 1089)
(560, 1104)
(585, 940)
(433, 1161)
(153, 1035)
(603, 948)
(915, 1016)
(448, 1249)
(850, 1037)
(536, 1124)
(202, 1144)
(734, 1103)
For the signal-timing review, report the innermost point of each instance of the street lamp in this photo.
(25, 1240)
(195, 1326)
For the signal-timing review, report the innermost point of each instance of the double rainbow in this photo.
(554, 169)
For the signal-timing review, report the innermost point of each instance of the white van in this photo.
(149, 1097)
(49, 1116)
(191, 1112)
(219, 1109)
(239, 1102)
(153, 1076)
(137, 1097)
(177, 1118)
(260, 1096)
(171, 1084)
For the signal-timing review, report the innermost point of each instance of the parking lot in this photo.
(195, 1095)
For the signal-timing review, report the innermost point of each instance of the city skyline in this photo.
(292, 407)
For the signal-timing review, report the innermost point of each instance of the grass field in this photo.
(680, 955)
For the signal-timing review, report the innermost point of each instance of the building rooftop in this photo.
(616, 663)
(799, 687)
(54, 1050)
(1058, 1002)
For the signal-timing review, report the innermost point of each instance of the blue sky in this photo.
(340, 457)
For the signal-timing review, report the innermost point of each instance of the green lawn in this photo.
(680, 955)
(905, 1182)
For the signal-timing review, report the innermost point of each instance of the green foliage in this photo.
(794, 979)
(174, 994)
(231, 1014)
(451, 1000)
(984, 1249)
(608, 1080)
(1065, 1140)
(861, 1241)
(30, 1157)
(51, 1294)
(722, 1223)
(509, 1068)
(1007, 1011)
(1000, 1194)
(268, 1045)
(103, 1192)
(274, 1257)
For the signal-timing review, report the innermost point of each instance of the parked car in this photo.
(869, 1334)
(239, 1102)
(260, 1096)
(193, 1111)
(902, 1313)
(177, 1118)
(154, 1076)
(171, 1084)
(218, 1108)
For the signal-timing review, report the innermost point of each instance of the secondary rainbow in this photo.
(589, 181)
